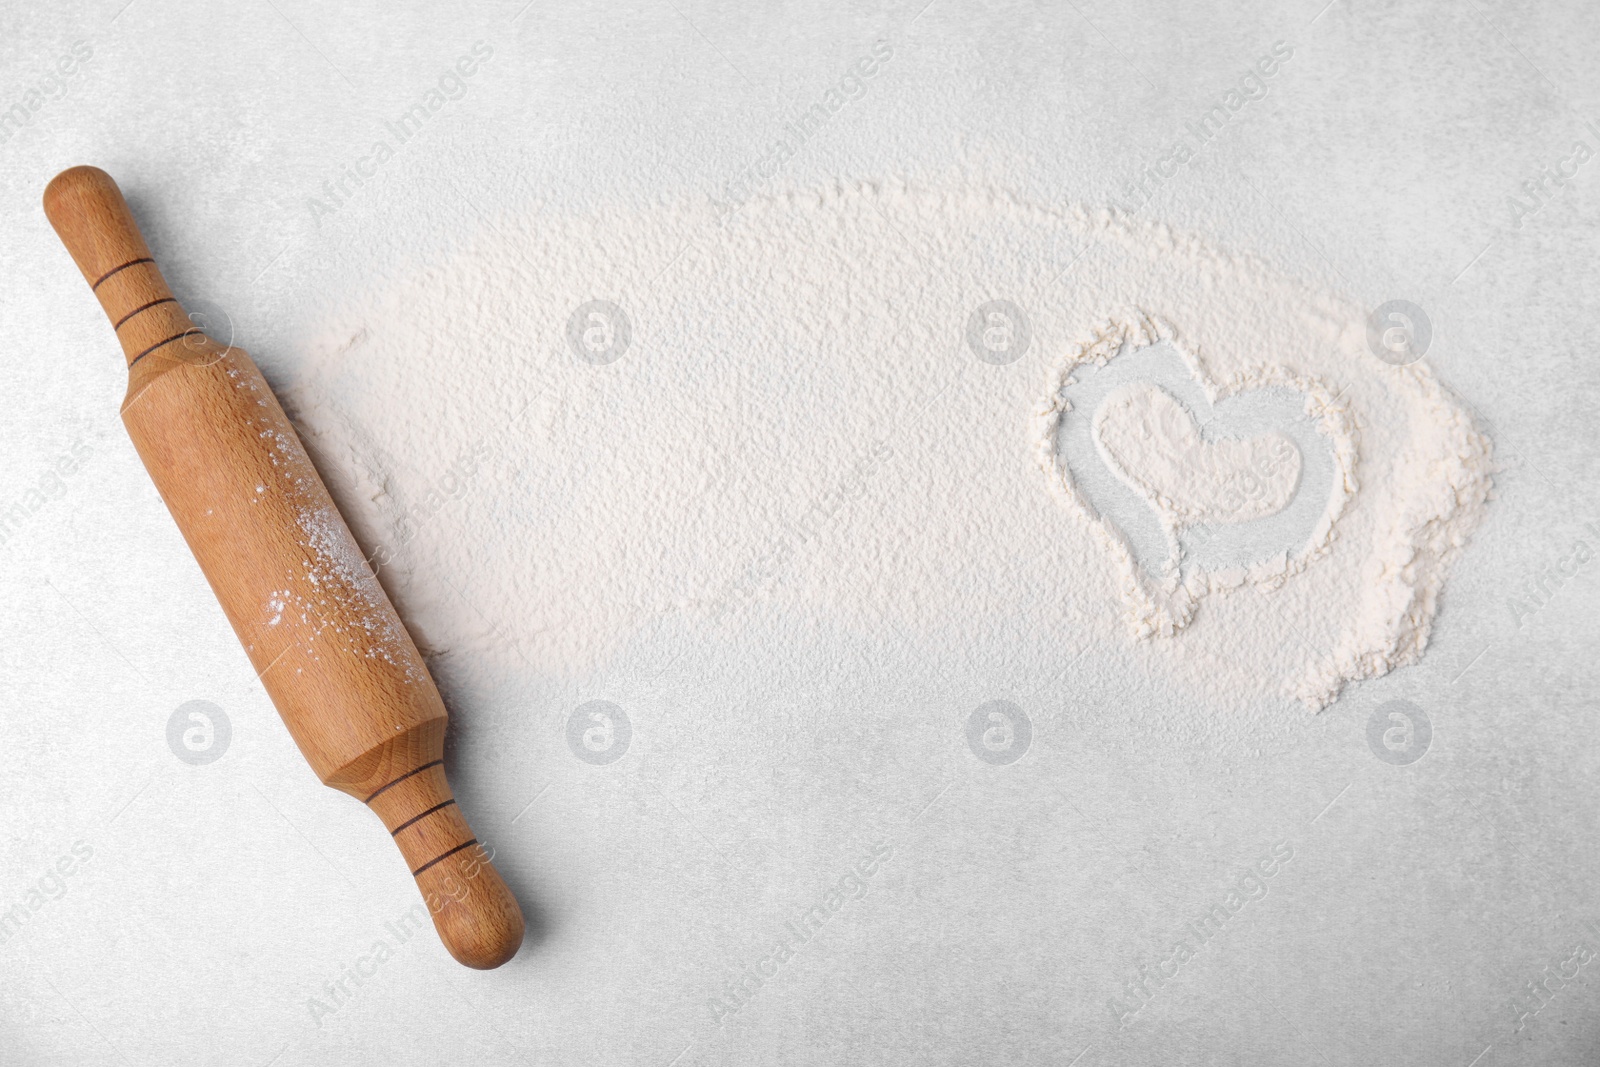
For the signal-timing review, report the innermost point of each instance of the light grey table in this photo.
(230, 911)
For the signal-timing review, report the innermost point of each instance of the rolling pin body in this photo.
(321, 633)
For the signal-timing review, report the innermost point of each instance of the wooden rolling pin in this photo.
(322, 635)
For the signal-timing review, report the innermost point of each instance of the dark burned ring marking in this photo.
(424, 815)
(125, 266)
(396, 781)
(444, 856)
(157, 345)
(143, 307)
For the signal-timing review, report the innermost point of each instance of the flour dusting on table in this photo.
(576, 427)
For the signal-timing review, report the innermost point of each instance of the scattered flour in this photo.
(791, 421)
(1154, 444)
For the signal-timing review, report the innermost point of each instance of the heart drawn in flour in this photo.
(1199, 487)
(1154, 444)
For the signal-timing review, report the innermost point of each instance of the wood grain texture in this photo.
(324, 639)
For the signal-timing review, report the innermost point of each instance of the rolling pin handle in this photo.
(94, 223)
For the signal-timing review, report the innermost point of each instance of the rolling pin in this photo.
(326, 643)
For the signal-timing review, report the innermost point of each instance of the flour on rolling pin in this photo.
(344, 601)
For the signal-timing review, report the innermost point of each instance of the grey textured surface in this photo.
(219, 901)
